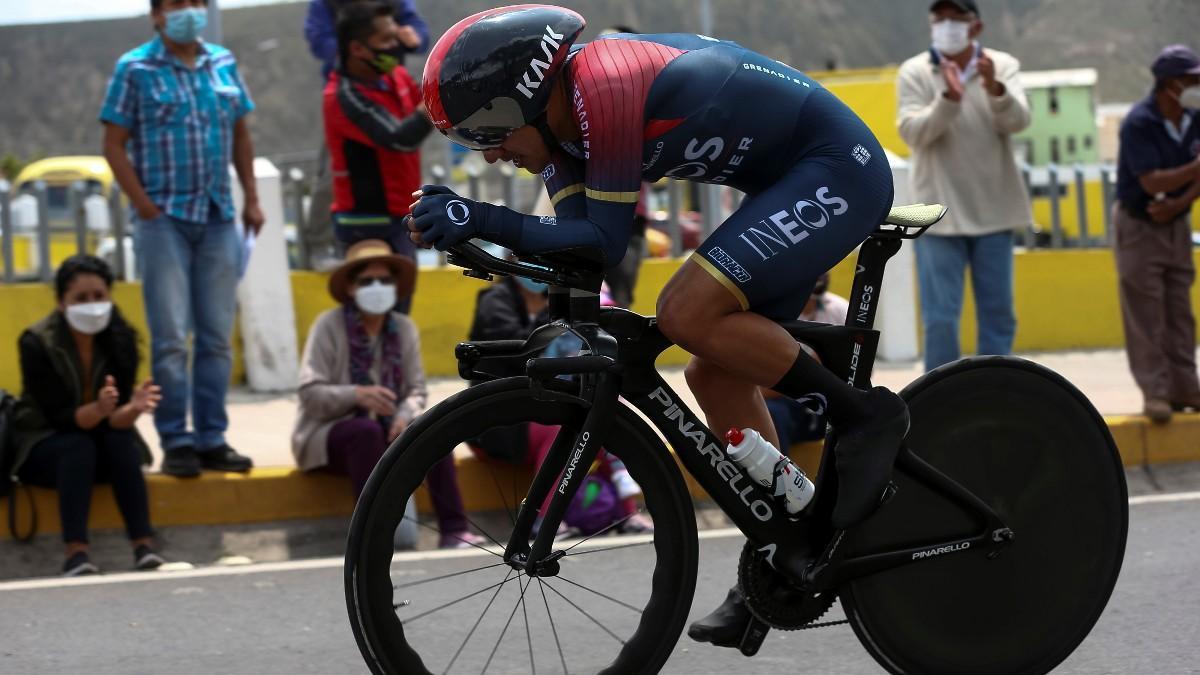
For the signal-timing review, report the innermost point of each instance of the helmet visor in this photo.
(478, 138)
(489, 126)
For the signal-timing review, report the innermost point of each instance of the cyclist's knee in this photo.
(677, 321)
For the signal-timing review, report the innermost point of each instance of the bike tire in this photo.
(380, 634)
(1028, 443)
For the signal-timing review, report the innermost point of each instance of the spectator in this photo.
(362, 382)
(512, 310)
(320, 30)
(373, 126)
(181, 104)
(959, 106)
(75, 421)
(795, 421)
(1158, 179)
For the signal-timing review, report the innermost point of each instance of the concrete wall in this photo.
(1065, 300)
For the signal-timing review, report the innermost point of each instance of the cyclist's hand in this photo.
(442, 218)
(952, 76)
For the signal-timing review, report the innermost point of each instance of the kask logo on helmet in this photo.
(537, 67)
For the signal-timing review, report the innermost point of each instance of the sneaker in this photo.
(626, 486)
(145, 558)
(1182, 404)
(79, 565)
(865, 454)
(637, 524)
(461, 540)
(181, 462)
(726, 625)
(225, 458)
(1158, 410)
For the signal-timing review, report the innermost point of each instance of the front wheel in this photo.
(1027, 442)
(617, 605)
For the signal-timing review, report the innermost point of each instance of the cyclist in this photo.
(597, 120)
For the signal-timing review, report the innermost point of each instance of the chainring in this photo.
(775, 600)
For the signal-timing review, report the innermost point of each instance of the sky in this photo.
(51, 11)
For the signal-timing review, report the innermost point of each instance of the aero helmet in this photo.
(493, 71)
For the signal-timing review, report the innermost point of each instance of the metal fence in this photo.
(1072, 207)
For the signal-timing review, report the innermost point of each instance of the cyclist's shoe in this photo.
(731, 625)
(865, 454)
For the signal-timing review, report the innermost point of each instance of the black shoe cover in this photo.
(865, 454)
(730, 625)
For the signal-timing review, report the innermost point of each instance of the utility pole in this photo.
(212, 32)
(706, 18)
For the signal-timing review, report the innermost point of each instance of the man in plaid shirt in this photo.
(179, 106)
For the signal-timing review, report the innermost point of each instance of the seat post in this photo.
(868, 280)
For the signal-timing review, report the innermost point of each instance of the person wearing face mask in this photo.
(362, 382)
(75, 421)
(374, 124)
(174, 120)
(320, 31)
(1158, 179)
(959, 105)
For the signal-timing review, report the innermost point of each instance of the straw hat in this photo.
(364, 253)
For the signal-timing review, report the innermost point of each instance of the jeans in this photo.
(189, 282)
(794, 422)
(72, 461)
(940, 265)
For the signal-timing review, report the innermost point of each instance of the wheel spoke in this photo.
(454, 602)
(477, 622)
(606, 597)
(528, 635)
(504, 630)
(445, 576)
(607, 529)
(476, 526)
(496, 481)
(561, 657)
(610, 548)
(583, 612)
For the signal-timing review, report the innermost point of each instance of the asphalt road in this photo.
(291, 617)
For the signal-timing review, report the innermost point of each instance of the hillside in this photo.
(53, 76)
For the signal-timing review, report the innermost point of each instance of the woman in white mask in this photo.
(362, 382)
(75, 421)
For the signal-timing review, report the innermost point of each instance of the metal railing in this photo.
(1072, 209)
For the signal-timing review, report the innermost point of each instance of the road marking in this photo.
(404, 557)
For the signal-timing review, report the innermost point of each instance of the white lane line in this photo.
(1158, 499)
(407, 556)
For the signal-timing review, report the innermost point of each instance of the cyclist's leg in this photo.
(728, 400)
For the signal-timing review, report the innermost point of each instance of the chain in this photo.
(824, 624)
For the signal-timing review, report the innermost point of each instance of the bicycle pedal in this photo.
(752, 639)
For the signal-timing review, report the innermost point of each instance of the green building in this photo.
(1062, 105)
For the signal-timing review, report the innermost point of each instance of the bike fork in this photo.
(564, 470)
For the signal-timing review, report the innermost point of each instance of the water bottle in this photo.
(760, 459)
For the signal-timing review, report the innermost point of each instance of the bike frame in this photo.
(618, 361)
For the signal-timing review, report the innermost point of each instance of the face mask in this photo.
(89, 318)
(951, 37)
(386, 60)
(375, 299)
(184, 25)
(1190, 97)
(532, 286)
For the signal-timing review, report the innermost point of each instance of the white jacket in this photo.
(962, 152)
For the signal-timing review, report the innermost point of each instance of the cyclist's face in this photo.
(524, 148)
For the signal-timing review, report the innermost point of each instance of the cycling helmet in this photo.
(493, 71)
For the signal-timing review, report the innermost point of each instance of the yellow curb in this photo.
(273, 494)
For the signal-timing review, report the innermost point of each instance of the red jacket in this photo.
(373, 132)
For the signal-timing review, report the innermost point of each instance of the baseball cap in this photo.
(964, 5)
(1175, 60)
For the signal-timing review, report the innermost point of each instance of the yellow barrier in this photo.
(1064, 300)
